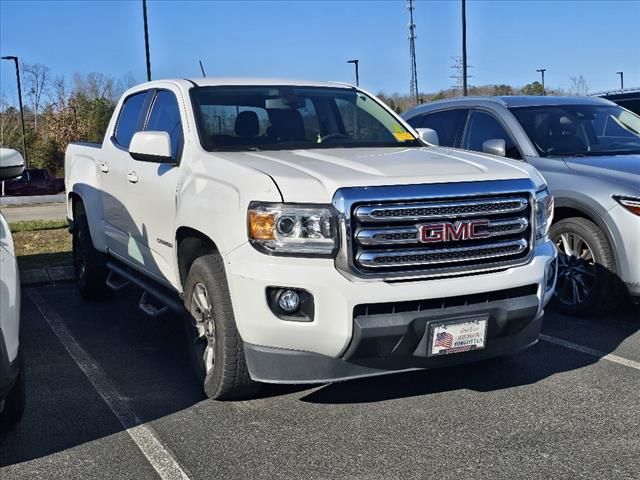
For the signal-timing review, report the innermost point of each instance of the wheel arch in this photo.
(191, 244)
(567, 208)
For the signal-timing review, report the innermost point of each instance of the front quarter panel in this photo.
(214, 195)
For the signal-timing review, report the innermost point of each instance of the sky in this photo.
(507, 40)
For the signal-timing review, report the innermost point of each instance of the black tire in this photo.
(14, 403)
(88, 263)
(227, 377)
(589, 277)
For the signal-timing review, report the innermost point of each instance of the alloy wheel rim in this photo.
(202, 313)
(576, 269)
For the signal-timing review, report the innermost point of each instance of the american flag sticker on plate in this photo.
(458, 336)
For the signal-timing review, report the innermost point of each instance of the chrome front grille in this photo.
(384, 228)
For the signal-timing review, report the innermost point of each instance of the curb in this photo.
(32, 200)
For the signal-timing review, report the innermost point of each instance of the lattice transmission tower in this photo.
(413, 83)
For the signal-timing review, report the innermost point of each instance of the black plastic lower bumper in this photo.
(390, 343)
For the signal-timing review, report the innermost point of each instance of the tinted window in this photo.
(482, 127)
(128, 120)
(165, 117)
(568, 130)
(448, 124)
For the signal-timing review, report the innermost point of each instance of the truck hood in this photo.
(623, 169)
(313, 176)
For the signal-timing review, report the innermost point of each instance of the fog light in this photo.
(289, 301)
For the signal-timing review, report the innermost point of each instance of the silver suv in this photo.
(588, 150)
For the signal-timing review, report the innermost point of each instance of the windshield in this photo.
(284, 118)
(581, 130)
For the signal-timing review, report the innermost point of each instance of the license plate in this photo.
(455, 336)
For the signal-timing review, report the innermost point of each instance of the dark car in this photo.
(629, 99)
(34, 181)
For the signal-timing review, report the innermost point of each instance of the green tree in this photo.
(534, 88)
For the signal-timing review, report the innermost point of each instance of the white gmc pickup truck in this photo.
(306, 233)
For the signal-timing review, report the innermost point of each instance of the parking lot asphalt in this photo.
(110, 395)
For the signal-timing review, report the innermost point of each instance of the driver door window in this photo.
(483, 126)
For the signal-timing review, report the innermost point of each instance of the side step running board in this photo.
(120, 276)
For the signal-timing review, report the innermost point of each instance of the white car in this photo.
(309, 232)
(12, 390)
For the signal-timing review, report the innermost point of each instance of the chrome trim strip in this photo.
(368, 258)
(366, 213)
(367, 236)
(345, 199)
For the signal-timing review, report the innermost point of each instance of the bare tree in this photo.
(579, 86)
(37, 81)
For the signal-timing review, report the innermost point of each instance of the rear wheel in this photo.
(215, 346)
(14, 403)
(89, 264)
(586, 268)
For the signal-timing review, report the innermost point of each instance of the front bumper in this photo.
(331, 334)
(511, 328)
(626, 236)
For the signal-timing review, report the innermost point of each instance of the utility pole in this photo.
(541, 71)
(413, 82)
(464, 48)
(356, 62)
(24, 137)
(621, 80)
(146, 39)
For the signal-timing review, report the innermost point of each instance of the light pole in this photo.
(24, 138)
(621, 80)
(146, 39)
(541, 71)
(464, 48)
(356, 62)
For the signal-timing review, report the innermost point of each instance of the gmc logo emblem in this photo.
(449, 232)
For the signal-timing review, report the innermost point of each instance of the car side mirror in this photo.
(11, 163)
(495, 146)
(429, 135)
(152, 147)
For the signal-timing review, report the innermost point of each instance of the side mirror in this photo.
(11, 163)
(152, 147)
(429, 135)
(495, 146)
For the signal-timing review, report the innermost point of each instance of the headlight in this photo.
(279, 228)
(630, 203)
(544, 213)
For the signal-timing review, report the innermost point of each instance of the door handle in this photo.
(104, 168)
(132, 177)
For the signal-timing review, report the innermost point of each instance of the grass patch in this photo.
(43, 248)
(35, 225)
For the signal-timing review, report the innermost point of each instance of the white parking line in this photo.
(590, 351)
(158, 455)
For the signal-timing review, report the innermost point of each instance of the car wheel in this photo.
(14, 403)
(88, 263)
(215, 346)
(586, 282)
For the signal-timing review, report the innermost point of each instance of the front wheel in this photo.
(586, 268)
(214, 344)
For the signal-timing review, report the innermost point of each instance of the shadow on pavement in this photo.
(146, 360)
